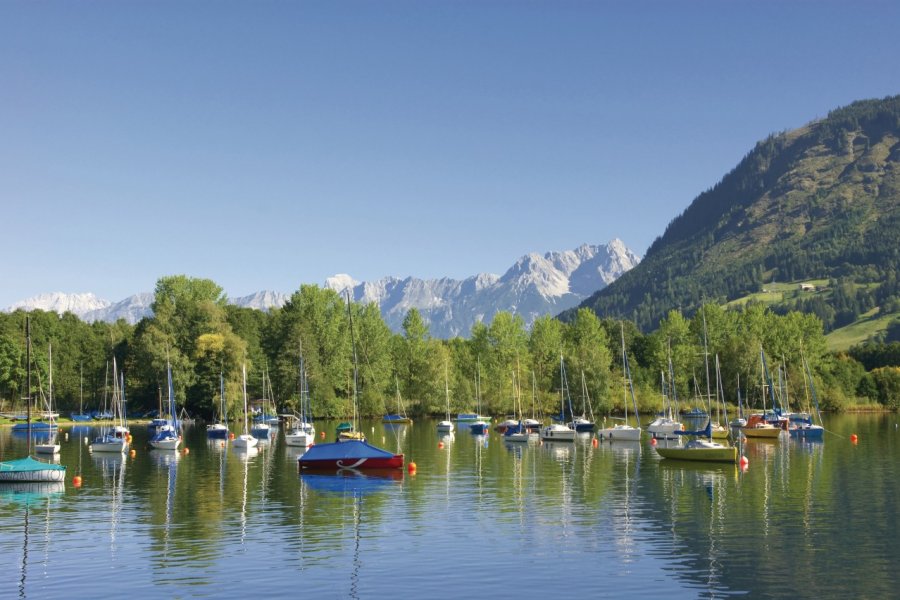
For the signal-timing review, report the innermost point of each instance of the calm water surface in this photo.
(480, 517)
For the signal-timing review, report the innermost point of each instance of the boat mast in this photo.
(706, 361)
(355, 382)
(244, 374)
(28, 377)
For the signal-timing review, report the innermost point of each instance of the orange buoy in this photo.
(76, 481)
(322, 434)
(744, 462)
(187, 450)
(411, 468)
(652, 441)
(853, 438)
(133, 453)
(440, 445)
(230, 436)
(595, 443)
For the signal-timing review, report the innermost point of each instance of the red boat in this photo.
(349, 454)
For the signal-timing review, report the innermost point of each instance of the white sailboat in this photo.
(624, 431)
(51, 445)
(113, 438)
(302, 433)
(168, 436)
(557, 432)
(446, 425)
(219, 429)
(245, 440)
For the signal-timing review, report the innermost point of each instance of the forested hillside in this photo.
(822, 201)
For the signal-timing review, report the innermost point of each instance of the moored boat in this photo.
(350, 454)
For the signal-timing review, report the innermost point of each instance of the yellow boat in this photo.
(701, 450)
(757, 427)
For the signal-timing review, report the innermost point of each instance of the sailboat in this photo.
(352, 453)
(446, 425)
(51, 445)
(113, 438)
(81, 416)
(624, 431)
(705, 450)
(719, 431)
(665, 425)
(245, 440)
(739, 421)
(167, 436)
(219, 429)
(481, 424)
(302, 433)
(757, 426)
(28, 468)
(558, 432)
(399, 417)
(804, 427)
(519, 432)
(262, 430)
(582, 423)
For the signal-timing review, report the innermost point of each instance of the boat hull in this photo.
(554, 433)
(766, 433)
(115, 445)
(217, 432)
(245, 441)
(299, 439)
(30, 470)
(628, 434)
(725, 455)
(351, 454)
(810, 432)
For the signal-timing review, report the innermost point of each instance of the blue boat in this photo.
(479, 428)
(39, 427)
(81, 417)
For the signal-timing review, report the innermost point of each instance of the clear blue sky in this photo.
(268, 144)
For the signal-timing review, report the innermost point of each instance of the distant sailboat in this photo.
(624, 431)
(399, 417)
(219, 429)
(245, 440)
(302, 433)
(114, 437)
(168, 436)
(51, 445)
(446, 425)
(558, 432)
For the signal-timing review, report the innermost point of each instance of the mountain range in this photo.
(537, 284)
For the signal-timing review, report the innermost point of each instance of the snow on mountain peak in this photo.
(60, 302)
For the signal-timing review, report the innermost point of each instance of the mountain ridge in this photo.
(536, 284)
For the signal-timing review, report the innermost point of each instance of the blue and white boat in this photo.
(168, 436)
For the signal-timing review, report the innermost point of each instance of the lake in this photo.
(479, 517)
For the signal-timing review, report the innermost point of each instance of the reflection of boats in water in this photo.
(558, 450)
(350, 481)
(245, 454)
